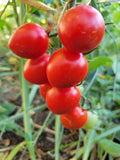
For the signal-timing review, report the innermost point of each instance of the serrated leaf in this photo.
(110, 146)
(98, 62)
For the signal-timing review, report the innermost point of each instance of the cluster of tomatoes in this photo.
(80, 30)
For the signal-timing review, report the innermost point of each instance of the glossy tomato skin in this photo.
(62, 100)
(43, 88)
(81, 28)
(65, 69)
(75, 119)
(91, 121)
(29, 41)
(34, 70)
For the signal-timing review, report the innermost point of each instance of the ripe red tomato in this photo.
(29, 41)
(43, 88)
(62, 100)
(75, 119)
(81, 28)
(34, 70)
(65, 69)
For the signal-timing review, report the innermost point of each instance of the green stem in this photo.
(90, 84)
(57, 137)
(4, 9)
(15, 12)
(43, 127)
(15, 151)
(25, 98)
(20, 115)
(26, 108)
(72, 3)
(78, 146)
(117, 62)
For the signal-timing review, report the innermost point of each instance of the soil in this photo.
(46, 141)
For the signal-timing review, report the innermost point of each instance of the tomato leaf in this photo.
(98, 62)
(110, 146)
(2, 110)
(115, 16)
(9, 108)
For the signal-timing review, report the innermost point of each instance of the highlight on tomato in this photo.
(65, 69)
(81, 28)
(29, 41)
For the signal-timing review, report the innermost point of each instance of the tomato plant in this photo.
(91, 121)
(75, 119)
(62, 100)
(34, 70)
(43, 88)
(29, 40)
(81, 28)
(66, 69)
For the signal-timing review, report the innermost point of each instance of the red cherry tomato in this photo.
(62, 100)
(65, 69)
(43, 88)
(75, 119)
(29, 41)
(81, 28)
(34, 70)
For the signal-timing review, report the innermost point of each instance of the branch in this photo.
(15, 12)
(38, 4)
(63, 11)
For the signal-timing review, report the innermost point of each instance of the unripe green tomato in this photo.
(91, 121)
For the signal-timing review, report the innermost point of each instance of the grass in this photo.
(101, 93)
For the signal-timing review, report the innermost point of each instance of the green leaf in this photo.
(41, 0)
(98, 62)
(110, 146)
(1, 155)
(9, 108)
(107, 133)
(15, 151)
(3, 23)
(2, 110)
(116, 17)
(6, 109)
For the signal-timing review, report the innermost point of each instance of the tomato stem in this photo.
(38, 4)
(26, 108)
(25, 99)
(57, 137)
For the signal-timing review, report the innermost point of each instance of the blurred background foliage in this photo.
(101, 87)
